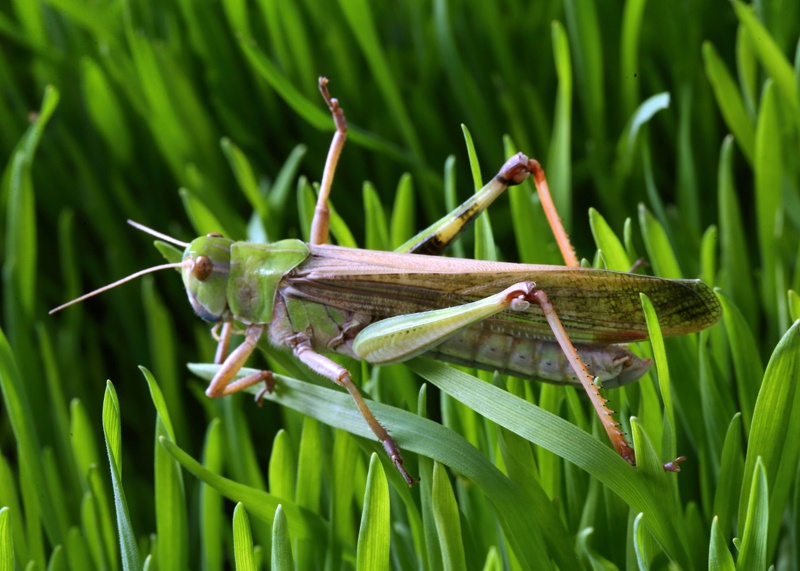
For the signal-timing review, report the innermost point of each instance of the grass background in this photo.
(677, 122)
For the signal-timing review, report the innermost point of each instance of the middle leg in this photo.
(331, 370)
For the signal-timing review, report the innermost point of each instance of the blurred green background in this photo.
(679, 122)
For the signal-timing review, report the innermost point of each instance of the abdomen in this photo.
(538, 359)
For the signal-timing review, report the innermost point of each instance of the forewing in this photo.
(594, 305)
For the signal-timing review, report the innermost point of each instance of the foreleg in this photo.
(223, 384)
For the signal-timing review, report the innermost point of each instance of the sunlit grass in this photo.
(193, 117)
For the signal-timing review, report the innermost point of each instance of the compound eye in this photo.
(202, 268)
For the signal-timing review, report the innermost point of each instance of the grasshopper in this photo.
(386, 307)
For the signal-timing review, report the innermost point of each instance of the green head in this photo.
(206, 270)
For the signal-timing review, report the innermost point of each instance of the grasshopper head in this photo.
(206, 267)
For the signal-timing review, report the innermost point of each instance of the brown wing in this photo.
(596, 306)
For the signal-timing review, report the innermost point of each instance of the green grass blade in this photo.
(362, 24)
(131, 558)
(171, 253)
(717, 403)
(306, 200)
(586, 44)
(467, 95)
(98, 488)
(730, 101)
(642, 543)
(771, 56)
(69, 479)
(448, 525)
(649, 464)
(33, 513)
(451, 197)
(433, 553)
(372, 551)
(58, 560)
(474, 164)
(607, 242)
(20, 417)
(281, 558)
(346, 462)
(747, 67)
(339, 229)
(170, 500)
(33, 21)
(401, 228)
(377, 235)
(550, 399)
(794, 305)
(521, 467)
(559, 167)
(653, 196)
(719, 556)
(768, 168)
(9, 499)
(55, 489)
(484, 238)
(309, 466)
(101, 21)
(776, 420)
(662, 368)
(77, 552)
(104, 107)
(746, 359)
(242, 540)
(659, 252)
(240, 451)
(203, 218)
(726, 495)
(19, 266)
(245, 176)
(708, 255)
(629, 53)
(262, 505)
(755, 537)
(687, 192)
(92, 529)
(211, 512)
(314, 113)
(6, 541)
(180, 124)
(282, 185)
(282, 467)
(493, 561)
(237, 15)
(735, 258)
(161, 336)
(627, 142)
(299, 42)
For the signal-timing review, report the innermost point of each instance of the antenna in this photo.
(119, 282)
(157, 234)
